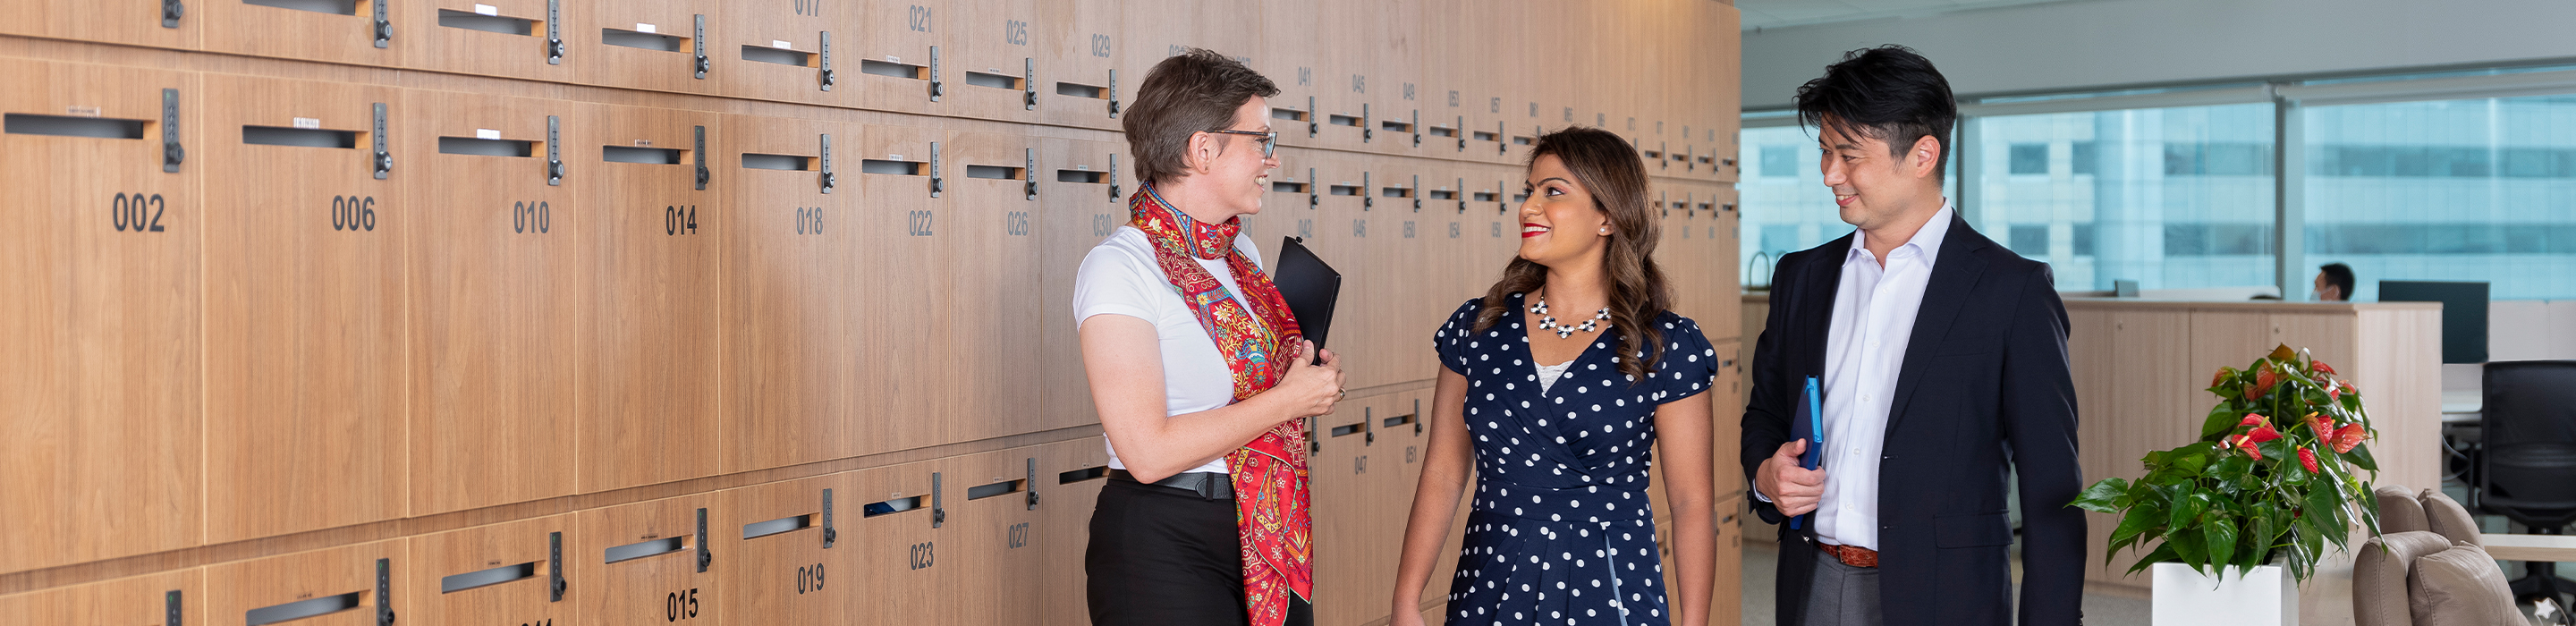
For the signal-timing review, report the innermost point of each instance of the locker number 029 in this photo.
(353, 213)
(136, 212)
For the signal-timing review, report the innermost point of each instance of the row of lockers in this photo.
(1455, 79)
(991, 538)
(332, 303)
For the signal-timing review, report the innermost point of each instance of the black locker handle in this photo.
(554, 32)
(831, 534)
(554, 151)
(171, 11)
(1032, 173)
(1033, 484)
(384, 592)
(384, 159)
(828, 75)
(1029, 87)
(829, 178)
(706, 555)
(172, 154)
(384, 27)
(170, 606)
(701, 43)
(937, 87)
(554, 567)
(1114, 194)
(938, 505)
(1113, 94)
(700, 153)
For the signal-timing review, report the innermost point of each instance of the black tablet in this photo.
(1309, 286)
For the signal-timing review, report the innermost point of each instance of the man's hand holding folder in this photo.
(1793, 478)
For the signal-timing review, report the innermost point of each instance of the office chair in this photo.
(2527, 467)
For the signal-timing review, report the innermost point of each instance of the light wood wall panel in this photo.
(790, 392)
(649, 411)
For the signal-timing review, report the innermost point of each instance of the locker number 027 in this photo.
(136, 212)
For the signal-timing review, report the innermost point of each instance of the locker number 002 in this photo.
(136, 212)
(352, 213)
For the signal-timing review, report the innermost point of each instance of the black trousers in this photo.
(1164, 557)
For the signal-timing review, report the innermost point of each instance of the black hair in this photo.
(2340, 276)
(1888, 93)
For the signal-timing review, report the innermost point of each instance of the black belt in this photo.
(1207, 485)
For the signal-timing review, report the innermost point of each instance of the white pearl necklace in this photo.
(1548, 322)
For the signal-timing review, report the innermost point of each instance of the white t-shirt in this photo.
(1121, 277)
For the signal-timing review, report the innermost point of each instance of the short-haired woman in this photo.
(1199, 373)
(1557, 383)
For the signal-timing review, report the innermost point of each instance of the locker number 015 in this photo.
(680, 605)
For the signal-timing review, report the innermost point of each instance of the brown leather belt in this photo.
(1854, 556)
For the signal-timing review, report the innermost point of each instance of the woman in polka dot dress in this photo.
(1561, 383)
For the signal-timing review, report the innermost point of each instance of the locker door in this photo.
(993, 270)
(1000, 528)
(497, 288)
(1721, 79)
(99, 305)
(896, 47)
(1343, 477)
(1416, 306)
(508, 573)
(649, 562)
(1294, 61)
(162, 24)
(793, 235)
(1346, 225)
(801, 54)
(1487, 35)
(305, 322)
(649, 409)
(1070, 474)
(787, 559)
(1719, 225)
(512, 38)
(903, 543)
(1446, 214)
(1494, 225)
(657, 45)
(1077, 50)
(1156, 29)
(1382, 56)
(345, 586)
(356, 32)
(905, 228)
(165, 598)
(989, 49)
(1081, 201)
(1727, 408)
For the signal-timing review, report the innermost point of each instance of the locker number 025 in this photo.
(136, 212)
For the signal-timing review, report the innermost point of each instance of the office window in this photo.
(1780, 161)
(2476, 189)
(2030, 158)
(2031, 240)
(2174, 198)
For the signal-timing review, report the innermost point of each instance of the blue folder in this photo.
(1809, 425)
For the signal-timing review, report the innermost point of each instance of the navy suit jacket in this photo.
(1984, 388)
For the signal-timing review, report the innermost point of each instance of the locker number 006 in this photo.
(353, 213)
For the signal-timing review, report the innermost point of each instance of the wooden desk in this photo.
(2553, 548)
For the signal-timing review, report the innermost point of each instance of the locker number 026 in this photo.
(352, 213)
(136, 212)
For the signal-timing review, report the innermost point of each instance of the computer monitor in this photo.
(2464, 313)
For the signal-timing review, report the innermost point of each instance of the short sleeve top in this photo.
(1121, 276)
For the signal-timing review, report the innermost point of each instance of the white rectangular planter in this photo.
(2267, 596)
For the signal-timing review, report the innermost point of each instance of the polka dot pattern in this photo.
(1562, 531)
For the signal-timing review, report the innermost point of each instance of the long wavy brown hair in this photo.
(1615, 174)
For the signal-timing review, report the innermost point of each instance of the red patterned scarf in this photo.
(1269, 472)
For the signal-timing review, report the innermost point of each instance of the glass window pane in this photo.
(1787, 207)
(1780, 160)
(2174, 198)
(2476, 189)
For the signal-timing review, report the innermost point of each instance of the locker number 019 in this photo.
(809, 579)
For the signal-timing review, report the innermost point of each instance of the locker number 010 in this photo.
(532, 216)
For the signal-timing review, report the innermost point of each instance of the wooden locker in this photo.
(992, 60)
(786, 558)
(1493, 56)
(1077, 56)
(1494, 227)
(1717, 219)
(909, 234)
(1386, 69)
(902, 525)
(1157, 29)
(1726, 593)
(793, 236)
(508, 573)
(305, 339)
(496, 289)
(895, 46)
(649, 409)
(99, 313)
(995, 330)
(802, 54)
(655, 45)
(1726, 405)
(1721, 81)
(1338, 231)
(1449, 88)
(1081, 201)
(647, 561)
(1294, 62)
(355, 32)
(346, 586)
(1000, 524)
(1416, 239)
(156, 24)
(1070, 475)
(509, 38)
(173, 597)
(1343, 505)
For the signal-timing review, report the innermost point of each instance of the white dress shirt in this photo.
(1874, 311)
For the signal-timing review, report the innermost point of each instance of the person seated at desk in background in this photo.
(2334, 283)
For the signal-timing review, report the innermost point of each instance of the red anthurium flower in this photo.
(2263, 381)
(2349, 389)
(2221, 378)
(2321, 425)
(2252, 419)
(2246, 443)
(2334, 394)
(2262, 434)
(2308, 459)
(2321, 366)
(2349, 437)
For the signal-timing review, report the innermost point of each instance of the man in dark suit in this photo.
(1942, 363)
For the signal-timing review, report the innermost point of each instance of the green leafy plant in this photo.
(2273, 476)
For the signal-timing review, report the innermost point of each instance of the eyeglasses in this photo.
(1269, 139)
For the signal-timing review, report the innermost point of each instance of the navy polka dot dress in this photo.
(1562, 532)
